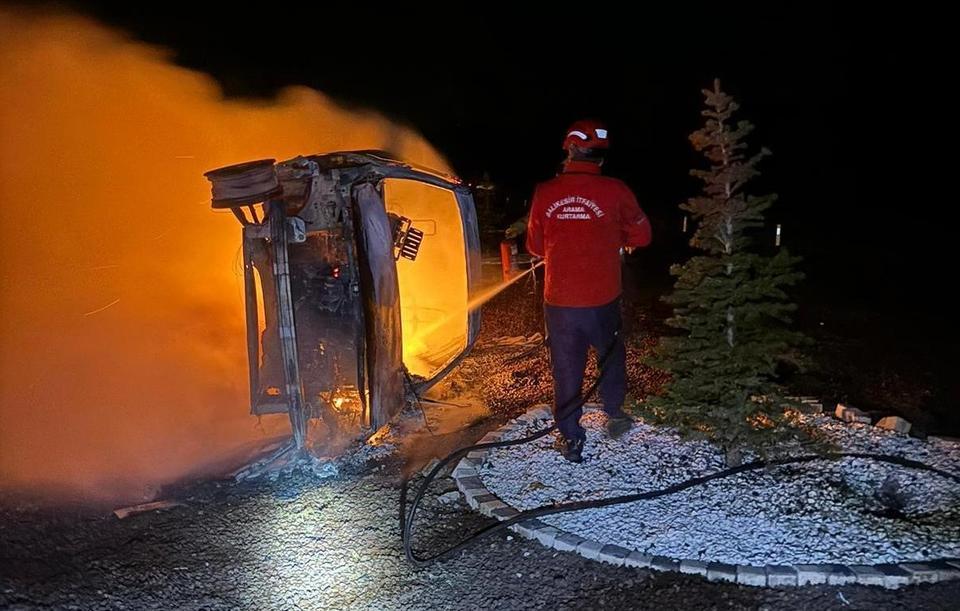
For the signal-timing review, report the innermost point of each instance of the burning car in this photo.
(358, 270)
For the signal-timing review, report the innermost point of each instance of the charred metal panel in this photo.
(382, 301)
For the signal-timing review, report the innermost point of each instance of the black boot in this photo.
(570, 449)
(618, 424)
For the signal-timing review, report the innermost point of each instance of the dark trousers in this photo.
(571, 332)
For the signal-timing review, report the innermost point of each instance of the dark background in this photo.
(844, 100)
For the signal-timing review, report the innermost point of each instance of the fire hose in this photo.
(407, 518)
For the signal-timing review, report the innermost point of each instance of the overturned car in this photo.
(358, 271)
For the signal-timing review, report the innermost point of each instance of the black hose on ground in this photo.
(407, 518)
(547, 510)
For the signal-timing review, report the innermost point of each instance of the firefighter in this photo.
(578, 222)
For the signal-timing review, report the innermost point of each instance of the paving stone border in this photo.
(478, 497)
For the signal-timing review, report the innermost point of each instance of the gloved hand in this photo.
(516, 228)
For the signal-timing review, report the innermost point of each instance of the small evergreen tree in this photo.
(729, 302)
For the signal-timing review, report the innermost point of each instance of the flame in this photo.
(433, 289)
(430, 338)
(122, 364)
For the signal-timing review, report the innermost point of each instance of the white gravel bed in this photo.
(819, 512)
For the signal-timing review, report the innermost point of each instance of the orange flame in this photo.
(122, 362)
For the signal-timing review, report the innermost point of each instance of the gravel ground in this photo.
(304, 542)
(819, 512)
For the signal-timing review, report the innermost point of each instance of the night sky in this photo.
(843, 100)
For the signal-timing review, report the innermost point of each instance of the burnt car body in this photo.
(358, 270)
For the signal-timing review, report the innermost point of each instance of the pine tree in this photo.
(729, 302)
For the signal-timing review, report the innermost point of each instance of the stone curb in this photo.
(478, 497)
